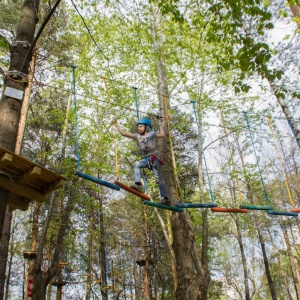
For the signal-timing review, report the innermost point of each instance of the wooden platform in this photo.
(26, 180)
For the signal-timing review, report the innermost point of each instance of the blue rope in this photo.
(202, 150)
(260, 172)
(76, 118)
(292, 127)
(138, 117)
(136, 103)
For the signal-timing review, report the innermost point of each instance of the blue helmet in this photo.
(144, 121)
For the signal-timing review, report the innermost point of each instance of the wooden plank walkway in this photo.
(26, 180)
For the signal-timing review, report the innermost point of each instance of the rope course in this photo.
(293, 213)
(230, 209)
(200, 205)
(251, 206)
(115, 129)
(233, 210)
(78, 172)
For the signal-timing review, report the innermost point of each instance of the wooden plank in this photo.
(6, 159)
(21, 189)
(196, 205)
(20, 164)
(54, 186)
(18, 202)
(30, 254)
(30, 175)
(255, 207)
(168, 207)
(229, 210)
(131, 190)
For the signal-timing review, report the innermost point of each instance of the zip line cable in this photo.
(90, 34)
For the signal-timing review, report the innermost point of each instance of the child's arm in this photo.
(126, 134)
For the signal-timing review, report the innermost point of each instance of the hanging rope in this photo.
(115, 129)
(78, 172)
(231, 157)
(280, 162)
(257, 161)
(202, 151)
(171, 146)
(136, 103)
(76, 118)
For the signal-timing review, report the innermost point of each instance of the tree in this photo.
(10, 107)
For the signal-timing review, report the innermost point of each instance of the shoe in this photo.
(137, 187)
(165, 201)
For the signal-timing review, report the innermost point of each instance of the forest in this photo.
(224, 77)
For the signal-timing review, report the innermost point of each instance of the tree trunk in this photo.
(265, 259)
(10, 108)
(4, 245)
(145, 257)
(260, 237)
(192, 281)
(244, 260)
(43, 277)
(295, 9)
(286, 111)
(293, 263)
(102, 252)
(282, 272)
(89, 276)
(8, 216)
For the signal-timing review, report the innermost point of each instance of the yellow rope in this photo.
(281, 164)
(115, 130)
(231, 157)
(171, 146)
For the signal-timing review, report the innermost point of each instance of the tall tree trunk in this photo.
(244, 260)
(102, 251)
(260, 236)
(285, 110)
(10, 108)
(191, 283)
(293, 263)
(204, 212)
(265, 259)
(43, 277)
(282, 272)
(4, 242)
(4, 245)
(89, 276)
(145, 257)
(295, 9)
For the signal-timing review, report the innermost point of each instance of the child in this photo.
(152, 160)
